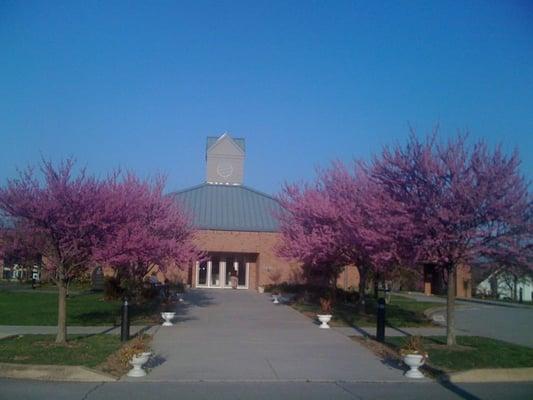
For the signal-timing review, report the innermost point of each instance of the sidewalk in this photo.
(396, 332)
(237, 336)
(10, 330)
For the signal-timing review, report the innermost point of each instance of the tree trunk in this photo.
(450, 308)
(62, 313)
(333, 286)
(494, 286)
(362, 290)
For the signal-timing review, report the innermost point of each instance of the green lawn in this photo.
(41, 349)
(472, 352)
(84, 308)
(401, 312)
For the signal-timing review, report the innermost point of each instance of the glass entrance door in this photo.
(202, 272)
(230, 270)
(217, 273)
(236, 266)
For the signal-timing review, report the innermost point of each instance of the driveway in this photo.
(508, 323)
(499, 321)
(228, 335)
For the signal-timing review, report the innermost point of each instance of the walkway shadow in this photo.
(362, 332)
(405, 333)
(155, 361)
(190, 299)
(462, 393)
(199, 298)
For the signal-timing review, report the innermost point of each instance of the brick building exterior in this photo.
(434, 281)
(238, 230)
(237, 226)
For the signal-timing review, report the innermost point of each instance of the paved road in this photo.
(33, 390)
(225, 335)
(505, 322)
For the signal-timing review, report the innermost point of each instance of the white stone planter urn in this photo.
(324, 318)
(414, 361)
(168, 316)
(137, 362)
(275, 298)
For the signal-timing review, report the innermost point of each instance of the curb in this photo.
(491, 375)
(62, 373)
(430, 313)
(496, 303)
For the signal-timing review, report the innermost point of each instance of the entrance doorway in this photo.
(217, 272)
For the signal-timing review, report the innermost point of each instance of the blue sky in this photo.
(140, 85)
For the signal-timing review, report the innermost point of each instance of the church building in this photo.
(237, 225)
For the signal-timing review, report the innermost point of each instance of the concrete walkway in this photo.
(225, 335)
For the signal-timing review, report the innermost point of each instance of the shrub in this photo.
(118, 362)
(413, 345)
(112, 288)
(178, 287)
(325, 305)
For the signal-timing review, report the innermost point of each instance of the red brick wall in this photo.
(266, 264)
(464, 282)
(349, 278)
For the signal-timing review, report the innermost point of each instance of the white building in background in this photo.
(507, 285)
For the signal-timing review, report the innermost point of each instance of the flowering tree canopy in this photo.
(149, 229)
(77, 220)
(464, 202)
(63, 210)
(16, 242)
(343, 218)
(309, 227)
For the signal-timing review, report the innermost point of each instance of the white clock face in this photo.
(224, 169)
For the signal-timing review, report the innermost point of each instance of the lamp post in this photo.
(380, 328)
(125, 322)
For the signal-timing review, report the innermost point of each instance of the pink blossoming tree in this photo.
(80, 219)
(344, 218)
(151, 231)
(17, 242)
(309, 234)
(465, 203)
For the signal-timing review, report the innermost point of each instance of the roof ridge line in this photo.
(250, 189)
(259, 192)
(188, 189)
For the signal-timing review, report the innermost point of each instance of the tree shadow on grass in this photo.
(147, 313)
(96, 318)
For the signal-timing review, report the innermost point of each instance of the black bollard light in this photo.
(380, 329)
(125, 322)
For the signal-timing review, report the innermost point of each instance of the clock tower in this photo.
(225, 160)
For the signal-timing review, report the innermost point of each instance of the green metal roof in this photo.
(230, 208)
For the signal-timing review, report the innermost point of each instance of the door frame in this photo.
(222, 275)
